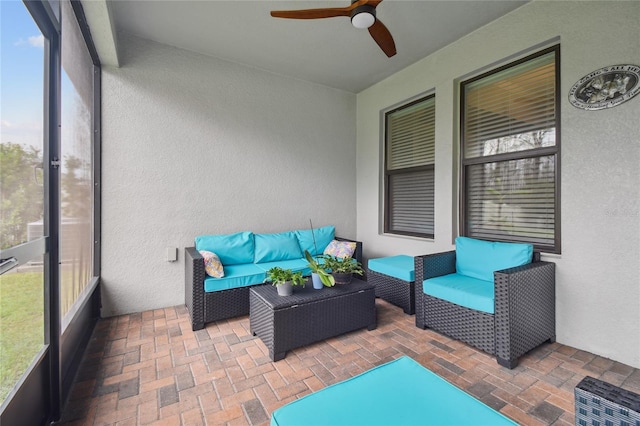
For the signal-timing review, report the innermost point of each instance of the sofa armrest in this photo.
(194, 286)
(525, 309)
(357, 254)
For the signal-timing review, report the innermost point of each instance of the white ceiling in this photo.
(325, 51)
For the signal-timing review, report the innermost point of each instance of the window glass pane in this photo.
(510, 187)
(21, 190)
(411, 135)
(76, 237)
(409, 168)
(512, 201)
(504, 112)
(411, 209)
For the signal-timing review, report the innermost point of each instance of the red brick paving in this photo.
(149, 368)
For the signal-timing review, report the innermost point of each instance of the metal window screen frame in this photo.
(409, 169)
(510, 152)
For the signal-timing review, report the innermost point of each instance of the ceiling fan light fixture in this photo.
(363, 20)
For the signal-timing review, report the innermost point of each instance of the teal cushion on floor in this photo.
(401, 392)
(400, 266)
(479, 259)
(232, 249)
(322, 236)
(235, 276)
(273, 247)
(462, 290)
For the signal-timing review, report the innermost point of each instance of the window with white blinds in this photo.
(510, 153)
(409, 168)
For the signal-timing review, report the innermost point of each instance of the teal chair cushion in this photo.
(400, 392)
(462, 290)
(274, 247)
(400, 266)
(232, 249)
(479, 259)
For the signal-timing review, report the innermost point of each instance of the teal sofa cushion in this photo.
(462, 290)
(232, 249)
(274, 247)
(323, 236)
(400, 392)
(400, 266)
(235, 276)
(294, 264)
(479, 259)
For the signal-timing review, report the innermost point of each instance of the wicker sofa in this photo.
(522, 316)
(246, 258)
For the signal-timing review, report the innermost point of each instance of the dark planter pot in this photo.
(285, 289)
(342, 278)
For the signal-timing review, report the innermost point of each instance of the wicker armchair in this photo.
(524, 308)
(205, 307)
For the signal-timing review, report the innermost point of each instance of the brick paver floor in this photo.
(150, 368)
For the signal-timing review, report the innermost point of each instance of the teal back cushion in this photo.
(323, 237)
(232, 249)
(479, 259)
(274, 247)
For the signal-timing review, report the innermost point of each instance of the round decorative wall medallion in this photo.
(606, 87)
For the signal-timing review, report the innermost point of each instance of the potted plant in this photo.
(319, 274)
(284, 280)
(343, 268)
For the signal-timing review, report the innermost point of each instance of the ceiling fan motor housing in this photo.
(363, 21)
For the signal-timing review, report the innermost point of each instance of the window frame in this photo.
(553, 151)
(388, 196)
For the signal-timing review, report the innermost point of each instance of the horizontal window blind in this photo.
(510, 189)
(411, 136)
(411, 204)
(512, 201)
(409, 168)
(508, 104)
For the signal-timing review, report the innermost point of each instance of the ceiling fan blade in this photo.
(382, 36)
(312, 13)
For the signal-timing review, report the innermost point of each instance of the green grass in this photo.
(21, 325)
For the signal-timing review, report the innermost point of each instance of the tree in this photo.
(21, 192)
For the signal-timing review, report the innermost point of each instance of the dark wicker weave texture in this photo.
(601, 403)
(394, 290)
(309, 315)
(218, 305)
(524, 308)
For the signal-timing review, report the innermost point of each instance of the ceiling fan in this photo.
(362, 13)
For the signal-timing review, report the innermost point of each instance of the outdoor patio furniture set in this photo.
(244, 258)
(497, 297)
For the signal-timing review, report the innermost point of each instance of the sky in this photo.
(21, 76)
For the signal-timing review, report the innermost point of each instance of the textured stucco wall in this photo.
(598, 272)
(195, 145)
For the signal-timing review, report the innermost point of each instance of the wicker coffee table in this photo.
(308, 316)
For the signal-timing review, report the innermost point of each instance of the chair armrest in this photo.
(430, 266)
(357, 254)
(434, 265)
(194, 286)
(525, 309)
